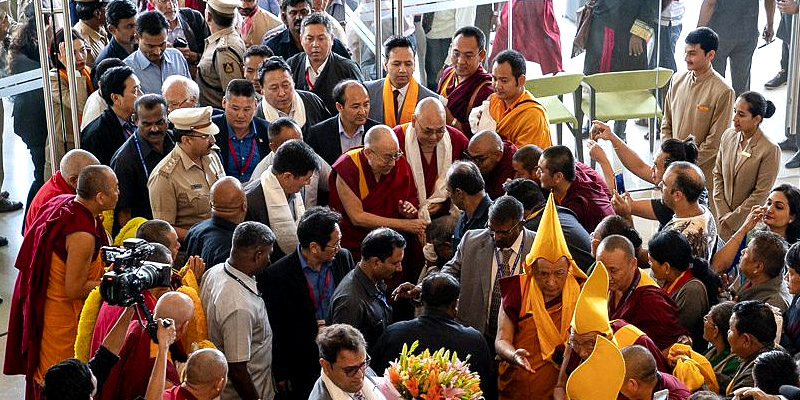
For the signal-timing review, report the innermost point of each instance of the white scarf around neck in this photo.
(369, 389)
(280, 216)
(271, 113)
(444, 158)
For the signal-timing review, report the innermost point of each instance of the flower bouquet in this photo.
(437, 376)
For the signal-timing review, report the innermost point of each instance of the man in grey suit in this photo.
(345, 366)
(401, 91)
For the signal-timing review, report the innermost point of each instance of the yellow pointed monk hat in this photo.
(549, 242)
(599, 377)
(591, 310)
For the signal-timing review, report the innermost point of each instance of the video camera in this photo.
(130, 274)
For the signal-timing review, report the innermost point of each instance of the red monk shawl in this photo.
(57, 218)
(379, 198)
(462, 97)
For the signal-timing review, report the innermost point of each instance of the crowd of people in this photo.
(315, 221)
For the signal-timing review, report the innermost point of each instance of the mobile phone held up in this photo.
(619, 181)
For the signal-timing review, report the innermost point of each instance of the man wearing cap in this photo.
(223, 56)
(180, 185)
(606, 362)
(92, 20)
(536, 312)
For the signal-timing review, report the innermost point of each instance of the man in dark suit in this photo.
(103, 136)
(281, 99)
(345, 366)
(193, 32)
(318, 69)
(242, 138)
(287, 42)
(435, 328)
(399, 87)
(298, 291)
(335, 135)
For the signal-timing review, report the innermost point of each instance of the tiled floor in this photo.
(19, 169)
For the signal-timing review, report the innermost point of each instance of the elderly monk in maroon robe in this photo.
(465, 84)
(59, 263)
(430, 147)
(591, 320)
(129, 376)
(372, 186)
(494, 157)
(635, 297)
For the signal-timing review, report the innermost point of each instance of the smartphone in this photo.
(179, 42)
(619, 181)
(661, 395)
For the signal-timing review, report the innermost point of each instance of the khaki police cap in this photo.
(194, 119)
(227, 7)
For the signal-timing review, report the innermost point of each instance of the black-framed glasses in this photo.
(353, 369)
(495, 232)
(335, 246)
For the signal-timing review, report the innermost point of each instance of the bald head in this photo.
(430, 106)
(639, 363)
(686, 178)
(205, 367)
(380, 136)
(73, 163)
(486, 139)
(228, 199)
(177, 306)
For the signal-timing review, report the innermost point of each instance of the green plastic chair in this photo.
(625, 95)
(549, 92)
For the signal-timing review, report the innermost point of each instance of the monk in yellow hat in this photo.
(605, 360)
(534, 319)
(590, 321)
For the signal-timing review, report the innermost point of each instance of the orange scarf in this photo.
(551, 336)
(409, 103)
(363, 189)
(514, 123)
(89, 87)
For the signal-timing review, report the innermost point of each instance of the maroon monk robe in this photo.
(650, 309)
(177, 393)
(466, 95)
(108, 316)
(588, 197)
(382, 197)
(54, 186)
(57, 218)
(495, 179)
(129, 376)
(536, 33)
(458, 142)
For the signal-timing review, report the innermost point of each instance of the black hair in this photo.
(560, 159)
(506, 208)
(770, 249)
(70, 379)
(113, 82)
(793, 257)
(117, 10)
(160, 254)
(155, 231)
(440, 230)
(686, 183)
(758, 105)
(295, 157)
(92, 180)
(756, 318)
(773, 369)
(705, 37)
(439, 290)
(84, 11)
(337, 337)
(317, 18)
(150, 101)
(316, 226)
(220, 19)
(381, 243)
(291, 3)
(793, 198)
(277, 126)
(104, 66)
(240, 88)
(679, 150)
(58, 38)
(250, 235)
(720, 315)
(528, 156)
(705, 395)
(258, 50)
(341, 87)
(526, 191)
(466, 176)
(397, 41)
(473, 32)
(152, 23)
(671, 246)
(515, 59)
(273, 63)
(616, 225)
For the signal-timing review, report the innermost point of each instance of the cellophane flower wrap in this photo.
(437, 376)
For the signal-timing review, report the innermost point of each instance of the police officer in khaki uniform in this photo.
(223, 57)
(180, 185)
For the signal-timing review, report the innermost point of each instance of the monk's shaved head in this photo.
(430, 106)
(639, 363)
(486, 139)
(227, 198)
(73, 163)
(380, 136)
(381, 149)
(177, 306)
(205, 367)
(485, 149)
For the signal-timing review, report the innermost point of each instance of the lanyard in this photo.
(318, 304)
(308, 81)
(141, 157)
(513, 266)
(242, 169)
(241, 282)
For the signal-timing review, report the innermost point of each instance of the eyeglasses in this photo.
(178, 104)
(204, 136)
(392, 157)
(477, 159)
(353, 369)
(335, 246)
(495, 232)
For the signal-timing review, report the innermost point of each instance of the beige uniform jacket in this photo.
(221, 62)
(95, 41)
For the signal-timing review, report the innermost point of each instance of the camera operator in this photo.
(129, 377)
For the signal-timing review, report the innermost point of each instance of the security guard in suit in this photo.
(223, 56)
(180, 185)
